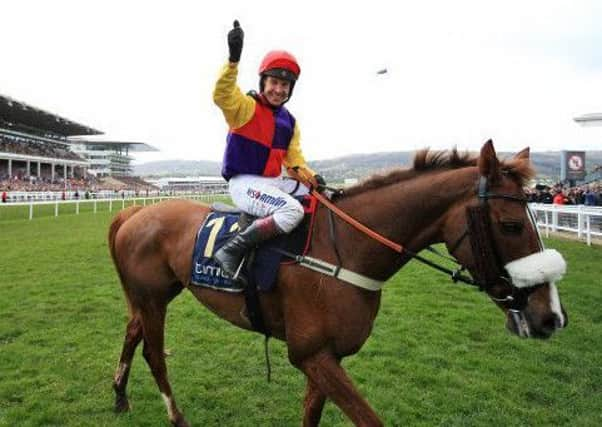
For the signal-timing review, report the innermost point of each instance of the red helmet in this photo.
(281, 64)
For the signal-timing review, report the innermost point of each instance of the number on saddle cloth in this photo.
(220, 225)
(216, 230)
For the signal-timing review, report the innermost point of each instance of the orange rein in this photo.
(306, 178)
(454, 274)
(355, 223)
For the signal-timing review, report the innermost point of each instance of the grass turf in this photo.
(439, 353)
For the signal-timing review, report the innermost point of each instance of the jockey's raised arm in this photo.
(263, 137)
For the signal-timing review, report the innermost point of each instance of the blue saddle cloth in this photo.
(216, 230)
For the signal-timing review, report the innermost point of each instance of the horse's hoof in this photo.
(180, 421)
(122, 405)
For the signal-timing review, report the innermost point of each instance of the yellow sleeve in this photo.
(294, 155)
(238, 108)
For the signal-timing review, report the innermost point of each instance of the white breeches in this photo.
(264, 196)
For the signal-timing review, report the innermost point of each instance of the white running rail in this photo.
(585, 221)
(33, 209)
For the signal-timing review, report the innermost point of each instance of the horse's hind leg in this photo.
(133, 335)
(153, 323)
(328, 375)
(313, 404)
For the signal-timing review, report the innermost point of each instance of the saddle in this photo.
(262, 264)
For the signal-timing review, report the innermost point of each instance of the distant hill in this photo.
(546, 163)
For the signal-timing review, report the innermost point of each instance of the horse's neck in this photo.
(410, 213)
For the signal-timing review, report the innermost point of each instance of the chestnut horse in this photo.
(323, 319)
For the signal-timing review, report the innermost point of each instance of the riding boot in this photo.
(231, 254)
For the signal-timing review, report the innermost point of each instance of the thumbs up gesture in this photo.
(235, 38)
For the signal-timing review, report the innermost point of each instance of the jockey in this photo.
(263, 137)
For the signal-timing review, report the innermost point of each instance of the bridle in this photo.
(489, 270)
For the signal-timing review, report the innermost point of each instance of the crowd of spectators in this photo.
(33, 183)
(79, 187)
(33, 148)
(588, 195)
(20, 184)
(21, 180)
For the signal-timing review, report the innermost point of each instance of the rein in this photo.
(455, 275)
(358, 225)
(488, 264)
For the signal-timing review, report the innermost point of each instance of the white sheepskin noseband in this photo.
(547, 266)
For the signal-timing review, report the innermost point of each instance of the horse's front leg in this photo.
(325, 372)
(313, 404)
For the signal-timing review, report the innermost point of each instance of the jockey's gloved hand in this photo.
(235, 38)
(320, 181)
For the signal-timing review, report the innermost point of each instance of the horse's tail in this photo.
(117, 222)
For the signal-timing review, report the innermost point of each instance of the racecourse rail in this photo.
(583, 221)
(94, 205)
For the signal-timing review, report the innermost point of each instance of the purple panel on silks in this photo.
(285, 126)
(243, 156)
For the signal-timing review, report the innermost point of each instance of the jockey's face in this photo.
(276, 90)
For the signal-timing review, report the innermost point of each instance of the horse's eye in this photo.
(512, 227)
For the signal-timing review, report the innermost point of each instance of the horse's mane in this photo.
(426, 160)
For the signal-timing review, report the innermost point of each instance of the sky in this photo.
(458, 73)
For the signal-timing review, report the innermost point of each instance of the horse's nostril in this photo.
(552, 322)
(557, 321)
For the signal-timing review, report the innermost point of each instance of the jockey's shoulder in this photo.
(253, 94)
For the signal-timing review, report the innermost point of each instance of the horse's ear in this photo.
(489, 165)
(522, 154)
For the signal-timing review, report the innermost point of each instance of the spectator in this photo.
(545, 196)
(590, 197)
(560, 198)
(4, 197)
(577, 196)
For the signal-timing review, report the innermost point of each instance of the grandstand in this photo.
(44, 152)
(107, 158)
(33, 144)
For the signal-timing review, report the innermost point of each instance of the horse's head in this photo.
(493, 234)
